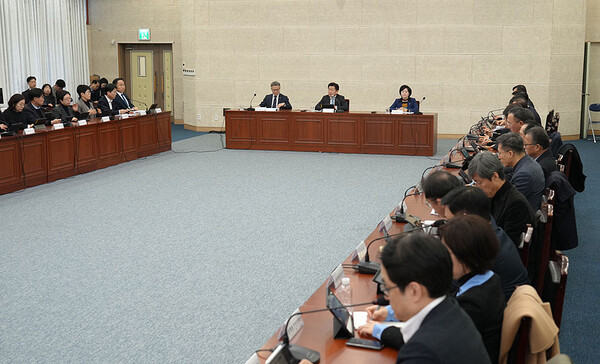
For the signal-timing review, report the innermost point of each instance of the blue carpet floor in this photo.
(179, 133)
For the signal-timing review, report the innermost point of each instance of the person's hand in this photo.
(92, 112)
(74, 119)
(75, 107)
(305, 361)
(3, 126)
(56, 121)
(280, 105)
(50, 105)
(123, 111)
(135, 108)
(367, 329)
(377, 313)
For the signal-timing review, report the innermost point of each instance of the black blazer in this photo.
(508, 264)
(120, 104)
(548, 162)
(512, 211)
(340, 102)
(447, 335)
(64, 113)
(268, 101)
(18, 119)
(32, 114)
(105, 107)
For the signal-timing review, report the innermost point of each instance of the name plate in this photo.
(386, 224)
(124, 116)
(253, 359)
(294, 326)
(81, 122)
(336, 277)
(271, 109)
(28, 131)
(105, 119)
(258, 108)
(360, 252)
(158, 109)
(398, 111)
(58, 126)
(329, 111)
(142, 112)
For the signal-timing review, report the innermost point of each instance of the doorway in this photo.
(591, 82)
(148, 73)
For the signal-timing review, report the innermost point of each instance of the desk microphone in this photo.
(251, 108)
(419, 111)
(141, 102)
(300, 352)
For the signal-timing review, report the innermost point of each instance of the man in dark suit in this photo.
(516, 116)
(510, 208)
(122, 100)
(107, 103)
(527, 175)
(417, 274)
(32, 83)
(276, 99)
(33, 110)
(333, 98)
(537, 146)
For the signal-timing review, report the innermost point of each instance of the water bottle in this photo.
(344, 293)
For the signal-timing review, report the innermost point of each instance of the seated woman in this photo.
(63, 110)
(405, 102)
(479, 291)
(48, 97)
(85, 103)
(14, 117)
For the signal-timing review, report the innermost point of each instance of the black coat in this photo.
(564, 224)
(340, 102)
(547, 162)
(512, 212)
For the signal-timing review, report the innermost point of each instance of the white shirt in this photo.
(123, 98)
(109, 102)
(414, 323)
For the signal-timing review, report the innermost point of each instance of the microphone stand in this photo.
(251, 108)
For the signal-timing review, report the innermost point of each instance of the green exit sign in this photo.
(144, 34)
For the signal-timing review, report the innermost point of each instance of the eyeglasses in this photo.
(428, 204)
(386, 290)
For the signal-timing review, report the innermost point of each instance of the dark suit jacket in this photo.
(512, 212)
(564, 224)
(18, 119)
(340, 102)
(528, 178)
(105, 108)
(447, 335)
(120, 104)
(412, 104)
(268, 101)
(26, 95)
(547, 162)
(64, 113)
(32, 114)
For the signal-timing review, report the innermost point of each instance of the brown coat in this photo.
(525, 302)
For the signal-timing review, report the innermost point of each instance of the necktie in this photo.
(124, 99)
(332, 100)
(274, 102)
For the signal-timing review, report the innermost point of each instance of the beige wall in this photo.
(463, 55)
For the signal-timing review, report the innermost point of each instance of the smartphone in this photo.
(364, 343)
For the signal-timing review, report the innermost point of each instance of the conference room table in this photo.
(347, 132)
(317, 332)
(49, 155)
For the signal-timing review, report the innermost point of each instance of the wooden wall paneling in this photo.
(378, 135)
(86, 148)
(35, 162)
(147, 136)
(309, 129)
(273, 127)
(343, 131)
(129, 138)
(109, 144)
(10, 166)
(61, 153)
(240, 129)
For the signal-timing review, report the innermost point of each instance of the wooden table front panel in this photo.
(61, 154)
(35, 161)
(10, 166)
(86, 147)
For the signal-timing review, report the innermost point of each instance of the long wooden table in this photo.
(49, 155)
(350, 132)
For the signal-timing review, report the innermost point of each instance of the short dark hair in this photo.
(103, 80)
(405, 87)
(46, 84)
(539, 136)
(519, 89)
(337, 87)
(31, 78)
(14, 100)
(522, 114)
(437, 184)
(35, 93)
(94, 82)
(81, 89)
(60, 95)
(508, 109)
(418, 257)
(109, 87)
(468, 200)
(484, 165)
(478, 248)
(511, 141)
(518, 99)
(528, 127)
(117, 80)
(60, 83)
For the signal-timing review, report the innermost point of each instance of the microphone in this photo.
(141, 102)
(252, 99)
(418, 112)
(300, 352)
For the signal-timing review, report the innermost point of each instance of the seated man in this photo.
(33, 110)
(508, 264)
(333, 98)
(276, 99)
(537, 146)
(435, 186)
(32, 83)
(523, 100)
(122, 101)
(95, 89)
(107, 104)
(417, 274)
(59, 85)
(510, 208)
(517, 116)
(527, 175)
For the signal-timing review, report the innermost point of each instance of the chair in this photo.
(347, 103)
(520, 346)
(525, 243)
(593, 108)
(541, 249)
(564, 162)
(550, 128)
(556, 284)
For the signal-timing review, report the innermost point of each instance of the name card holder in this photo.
(58, 126)
(81, 122)
(271, 109)
(124, 116)
(28, 131)
(336, 277)
(386, 224)
(258, 108)
(105, 119)
(158, 109)
(142, 112)
(360, 252)
(331, 111)
(397, 112)
(294, 326)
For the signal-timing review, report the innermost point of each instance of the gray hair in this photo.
(275, 83)
(484, 165)
(539, 136)
(512, 141)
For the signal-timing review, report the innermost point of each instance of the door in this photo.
(142, 77)
(591, 82)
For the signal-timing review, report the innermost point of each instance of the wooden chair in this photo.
(549, 119)
(554, 292)
(520, 346)
(564, 162)
(543, 241)
(525, 243)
